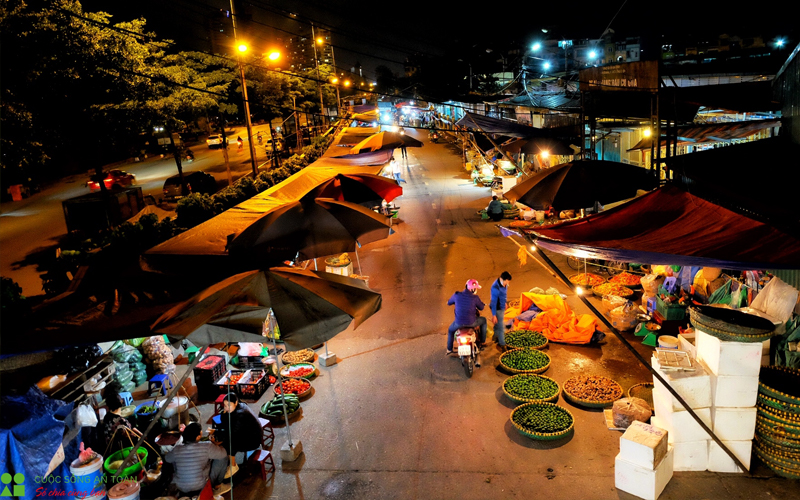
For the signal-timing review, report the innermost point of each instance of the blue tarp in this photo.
(31, 430)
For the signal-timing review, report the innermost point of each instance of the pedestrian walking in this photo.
(396, 171)
(404, 152)
(497, 304)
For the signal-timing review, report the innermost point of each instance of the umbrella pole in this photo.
(359, 263)
(280, 384)
(315, 264)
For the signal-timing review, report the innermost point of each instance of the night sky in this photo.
(375, 33)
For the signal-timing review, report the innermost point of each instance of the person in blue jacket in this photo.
(497, 304)
(467, 312)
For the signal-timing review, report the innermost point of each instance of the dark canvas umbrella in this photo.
(581, 183)
(310, 306)
(366, 189)
(311, 227)
(538, 145)
(385, 140)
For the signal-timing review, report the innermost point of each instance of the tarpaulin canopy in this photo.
(671, 226)
(498, 126)
(712, 132)
(369, 116)
(354, 135)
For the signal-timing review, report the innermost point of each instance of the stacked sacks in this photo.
(127, 361)
(777, 441)
(159, 355)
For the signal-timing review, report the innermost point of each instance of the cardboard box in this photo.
(739, 359)
(719, 461)
(734, 424)
(643, 444)
(642, 481)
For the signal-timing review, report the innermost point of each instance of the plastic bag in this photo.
(137, 366)
(628, 410)
(123, 377)
(624, 317)
(135, 342)
(777, 299)
(787, 350)
(139, 377)
(651, 282)
(611, 302)
(721, 295)
(85, 416)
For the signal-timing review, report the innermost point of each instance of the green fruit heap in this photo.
(525, 338)
(542, 418)
(274, 408)
(525, 359)
(532, 387)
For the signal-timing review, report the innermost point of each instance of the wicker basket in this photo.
(302, 394)
(552, 436)
(778, 462)
(774, 433)
(777, 404)
(791, 428)
(627, 292)
(306, 359)
(726, 330)
(788, 459)
(643, 391)
(782, 417)
(590, 404)
(514, 370)
(518, 399)
(769, 373)
(311, 375)
(572, 279)
(542, 346)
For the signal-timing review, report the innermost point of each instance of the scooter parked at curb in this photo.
(468, 351)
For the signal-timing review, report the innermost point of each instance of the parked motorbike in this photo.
(189, 155)
(434, 138)
(468, 351)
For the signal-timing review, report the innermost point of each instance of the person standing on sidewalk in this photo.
(497, 304)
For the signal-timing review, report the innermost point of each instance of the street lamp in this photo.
(536, 46)
(334, 81)
(242, 49)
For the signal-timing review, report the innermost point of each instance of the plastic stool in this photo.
(267, 434)
(263, 458)
(218, 404)
(127, 398)
(160, 382)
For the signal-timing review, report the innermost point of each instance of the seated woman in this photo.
(239, 430)
(113, 421)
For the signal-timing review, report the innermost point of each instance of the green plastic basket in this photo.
(131, 470)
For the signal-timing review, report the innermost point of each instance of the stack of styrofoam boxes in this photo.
(687, 437)
(644, 464)
(734, 368)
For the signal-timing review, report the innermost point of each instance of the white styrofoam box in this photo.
(690, 456)
(733, 392)
(680, 425)
(719, 461)
(694, 387)
(741, 359)
(734, 424)
(686, 343)
(643, 444)
(642, 481)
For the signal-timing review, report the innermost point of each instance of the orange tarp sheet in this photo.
(556, 321)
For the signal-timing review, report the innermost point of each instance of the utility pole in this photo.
(297, 124)
(225, 153)
(319, 77)
(244, 98)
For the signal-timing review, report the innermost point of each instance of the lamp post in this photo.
(321, 42)
(319, 77)
(335, 81)
(242, 49)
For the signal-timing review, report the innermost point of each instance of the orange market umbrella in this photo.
(363, 189)
(385, 140)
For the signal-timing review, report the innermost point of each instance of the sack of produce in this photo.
(651, 282)
(123, 377)
(139, 377)
(627, 410)
(611, 302)
(138, 365)
(158, 354)
(135, 342)
(624, 317)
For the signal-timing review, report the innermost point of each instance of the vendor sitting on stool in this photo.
(196, 462)
(115, 439)
(495, 209)
(239, 430)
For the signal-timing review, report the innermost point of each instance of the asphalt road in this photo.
(32, 229)
(396, 418)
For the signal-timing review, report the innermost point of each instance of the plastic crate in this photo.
(209, 369)
(222, 385)
(670, 311)
(253, 384)
(247, 362)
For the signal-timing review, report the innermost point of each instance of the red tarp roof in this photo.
(672, 226)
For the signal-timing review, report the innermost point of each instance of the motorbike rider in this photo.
(467, 313)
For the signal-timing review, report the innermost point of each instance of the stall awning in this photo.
(713, 132)
(672, 226)
(498, 126)
(369, 116)
(354, 135)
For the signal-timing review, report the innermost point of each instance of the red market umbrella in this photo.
(363, 189)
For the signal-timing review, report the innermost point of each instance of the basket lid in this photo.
(731, 320)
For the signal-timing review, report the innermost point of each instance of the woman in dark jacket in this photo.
(239, 429)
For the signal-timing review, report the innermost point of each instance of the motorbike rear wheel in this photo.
(469, 365)
(575, 263)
